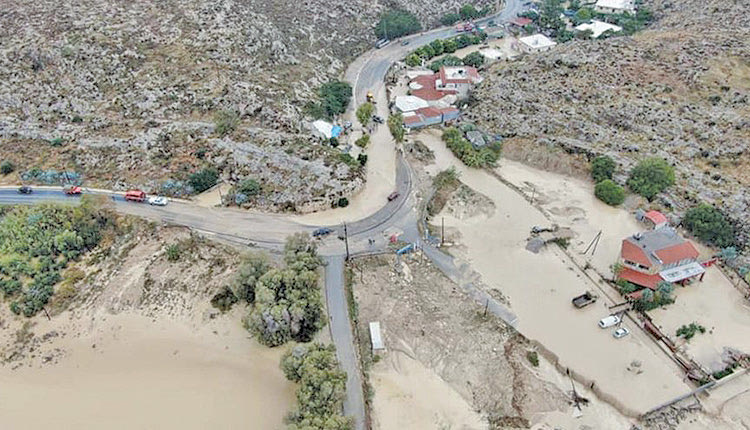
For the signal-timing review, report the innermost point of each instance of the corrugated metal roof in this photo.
(375, 336)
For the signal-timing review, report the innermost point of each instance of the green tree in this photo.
(609, 192)
(450, 46)
(475, 59)
(450, 18)
(203, 179)
(710, 225)
(650, 177)
(437, 47)
(468, 11)
(225, 122)
(413, 60)
(7, 167)
(364, 113)
(396, 127)
(549, 16)
(448, 60)
(602, 167)
(252, 267)
(334, 97)
(397, 23)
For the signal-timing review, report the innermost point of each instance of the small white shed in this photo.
(376, 338)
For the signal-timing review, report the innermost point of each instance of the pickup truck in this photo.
(584, 299)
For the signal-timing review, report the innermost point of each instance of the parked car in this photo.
(25, 189)
(135, 196)
(378, 119)
(158, 201)
(393, 196)
(620, 333)
(73, 190)
(584, 299)
(404, 42)
(609, 321)
(323, 231)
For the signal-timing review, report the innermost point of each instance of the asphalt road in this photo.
(269, 231)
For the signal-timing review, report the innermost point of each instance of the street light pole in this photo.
(346, 241)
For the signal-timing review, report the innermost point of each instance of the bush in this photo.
(448, 60)
(249, 187)
(462, 148)
(688, 331)
(533, 358)
(709, 225)
(626, 287)
(609, 192)
(475, 59)
(252, 267)
(173, 252)
(650, 177)
(58, 141)
(342, 202)
(450, 19)
(363, 141)
(396, 127)
(397, 23)
(7, 167)
(203, 179)
(602, 168)
(413, 60)
(468, 11)
(224, 299)
(225, 122)
(334, 97)
(362, 159)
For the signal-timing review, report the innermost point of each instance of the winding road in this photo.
(269, 231)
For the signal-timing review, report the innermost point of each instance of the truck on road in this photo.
(135, 196)
(72, 190)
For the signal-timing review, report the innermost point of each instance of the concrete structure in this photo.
(409, 103)
(376, 338)
(476, 138)
(598, 27)
(535, 43)
(615, 6)
(658, 255)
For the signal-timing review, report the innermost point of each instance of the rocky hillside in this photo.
(128, 93)
(678, 90)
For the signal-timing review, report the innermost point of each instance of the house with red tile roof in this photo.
(446, 86)
(659, 255)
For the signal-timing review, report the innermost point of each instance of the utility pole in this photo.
(442, 232)
(346, 241)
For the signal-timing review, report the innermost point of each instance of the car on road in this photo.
(584, 299)
(378, 119)
(73, 191)
(323, 231)
(620, 333)
(404, 42)
(382, 43)
(393, 196)
(25, 190)
(158, 201)
(609, 321)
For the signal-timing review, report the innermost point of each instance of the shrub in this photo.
(602, 168)
(363, 141)
(413, 60)
(397, 23)
(362, 159)
(468, 11)
(450, 19)
(342, 202)
(7, 167)
(626, 287)
(173, 252)
(58, 141)
(609, 192)
(224, 299)
(396, 127)
(650, 177)
(472, 157)
(203, 179)
(709, 225)
(437, 47)
(450, 46)
(475, 59)
(448, 60)
(533, 358)
(225, 122)
(688, 331)
(249, 187)
(334, 97)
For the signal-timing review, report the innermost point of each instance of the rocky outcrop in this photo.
(678, 90)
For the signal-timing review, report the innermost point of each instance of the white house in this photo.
(410, 103)
(614, 6)
(376, 338)
(598, 27)
(535, 43)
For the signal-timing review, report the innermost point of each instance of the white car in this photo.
(158, 201)
(620, 332)
(609, 321)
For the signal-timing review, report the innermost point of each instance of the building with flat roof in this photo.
(598, 27)
(376, 338)
(615, 6)
(535, 43)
